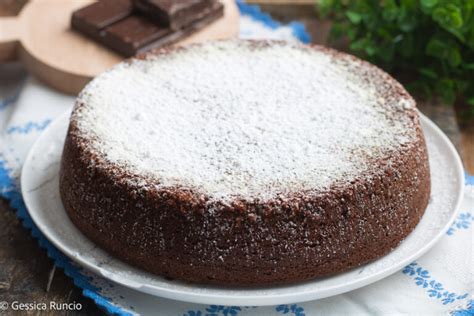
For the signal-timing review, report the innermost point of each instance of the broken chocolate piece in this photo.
(211, 15)
(132, 33)
(92, 19)
(173, 13)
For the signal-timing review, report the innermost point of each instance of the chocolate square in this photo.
(93, 18)
(128, 35)
(173, 13)
(211, 14)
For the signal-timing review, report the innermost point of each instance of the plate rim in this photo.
(246, 299)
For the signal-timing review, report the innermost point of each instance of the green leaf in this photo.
(409, 4)
(354, 17)
(371, 49)
(352, 34)
(406, 20)
(444, 50)
(454, 57)
(449, 17)
(468, 66)
(384, 33)
(325, 6)
(436, 48)
(358, 44)
(389, 10)
(428, 72)
(470, 37)
(339, 30)
(428, 4)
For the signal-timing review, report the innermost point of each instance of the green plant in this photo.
(433, 40)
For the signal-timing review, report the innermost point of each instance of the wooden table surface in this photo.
(28, 275)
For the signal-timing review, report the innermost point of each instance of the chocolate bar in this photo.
(114, 24)
(173, 13)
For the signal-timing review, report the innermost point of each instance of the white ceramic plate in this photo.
(40, 189)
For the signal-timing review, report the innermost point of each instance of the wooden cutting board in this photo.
(41, 38)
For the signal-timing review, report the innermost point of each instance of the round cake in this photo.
(245, 162)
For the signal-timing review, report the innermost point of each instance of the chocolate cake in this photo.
(245, 162)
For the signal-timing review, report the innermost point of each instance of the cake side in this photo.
(175, 234)
(185, 233)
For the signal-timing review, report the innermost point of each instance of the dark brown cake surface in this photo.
(245, 163)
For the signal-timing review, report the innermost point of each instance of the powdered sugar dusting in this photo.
(230, 119)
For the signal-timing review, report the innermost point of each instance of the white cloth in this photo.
(439, 283)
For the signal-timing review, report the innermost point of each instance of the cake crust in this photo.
(180, 232)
